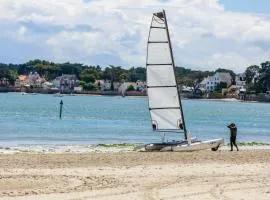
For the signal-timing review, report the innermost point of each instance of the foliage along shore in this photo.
(254, 143)
(87, 148)
(258, 76)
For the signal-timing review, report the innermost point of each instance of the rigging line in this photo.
(174, 69)
(164, 108)
(159, 64)
(169, 130)
(162, 86)
(158, 42)
(157, 27)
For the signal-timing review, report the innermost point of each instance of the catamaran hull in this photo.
(159, 146)
(197, 146)
(183, 146)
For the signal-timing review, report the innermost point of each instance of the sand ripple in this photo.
(121, 176)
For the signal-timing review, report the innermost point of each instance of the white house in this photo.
(78, 89)
(17, 83)
(141, 86)
(66, 82)
(35, 79)
(22, 81)
(4, 81)
(211, 82)
(47, 85)
(124, 86)
(240, 81)
(106, 85)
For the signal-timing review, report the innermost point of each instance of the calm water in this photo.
(34, 119)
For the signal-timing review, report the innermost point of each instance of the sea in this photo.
(34, 120)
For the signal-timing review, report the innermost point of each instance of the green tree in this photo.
(264, 77)
(251, 72)
(94, 71)
(68, 68)
(220, 86)
(113, 73)
(48, 70)
(136, 74)
(10, 74)
(124, 77)
(252, 77)
(88, 78)
(130, 88)
(90, 86)
(83, 84)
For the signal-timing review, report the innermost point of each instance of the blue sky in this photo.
(259, 6)
(206, 34)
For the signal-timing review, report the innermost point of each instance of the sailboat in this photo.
(165, 105)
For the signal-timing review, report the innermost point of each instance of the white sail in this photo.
(164, 101)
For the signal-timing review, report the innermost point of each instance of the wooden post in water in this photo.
(61, 105)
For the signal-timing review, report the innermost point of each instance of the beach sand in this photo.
(133, 175)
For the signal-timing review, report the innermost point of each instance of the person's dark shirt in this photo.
(233, 131)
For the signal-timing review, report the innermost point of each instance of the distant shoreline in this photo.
(47, 91)
(133, 93)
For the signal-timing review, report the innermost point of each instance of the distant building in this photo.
(4, 82)
(66, 82)
(141, 86)
(138, 86)
(22, 81)
(211, 82)
(124, 86)
(78, 89)
(35, 80)
(99, 84)
(106, 85)
(17, 83)
(240, 81)
(47, 85)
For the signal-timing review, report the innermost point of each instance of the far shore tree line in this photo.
(257, 76)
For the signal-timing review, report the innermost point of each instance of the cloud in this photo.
(204, 34)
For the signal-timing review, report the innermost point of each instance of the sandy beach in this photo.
(134, 175)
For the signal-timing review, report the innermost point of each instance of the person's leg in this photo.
(231, 142)
(234, 142)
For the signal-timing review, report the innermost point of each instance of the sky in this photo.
(205, 34)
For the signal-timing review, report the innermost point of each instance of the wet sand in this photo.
(136, 175)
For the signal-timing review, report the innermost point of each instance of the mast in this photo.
(170, 46)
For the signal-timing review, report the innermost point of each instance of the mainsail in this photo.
(164, 100)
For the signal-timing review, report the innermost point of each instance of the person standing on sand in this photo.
(233, 134)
